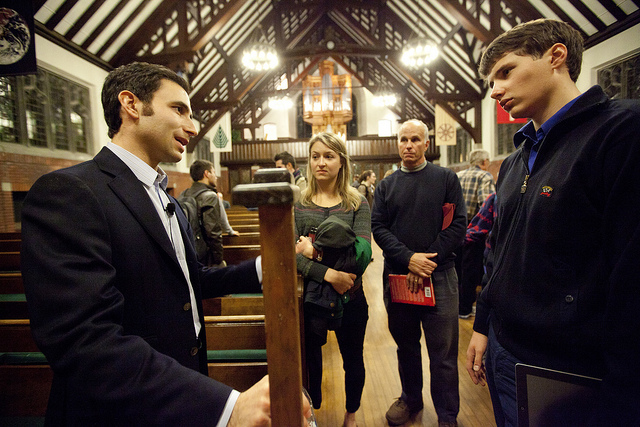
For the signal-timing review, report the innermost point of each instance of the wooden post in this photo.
(279, 281)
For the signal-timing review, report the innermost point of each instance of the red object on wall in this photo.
(503, 117)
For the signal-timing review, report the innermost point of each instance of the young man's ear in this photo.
(558, 55)
(128, 104)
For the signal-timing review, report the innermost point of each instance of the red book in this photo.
(400, 292)
(448, 209)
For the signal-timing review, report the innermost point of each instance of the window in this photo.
(622, 79)
(45, 110)
(505, 137)
(458, 153)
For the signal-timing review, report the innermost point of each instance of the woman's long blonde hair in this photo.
(350, 196)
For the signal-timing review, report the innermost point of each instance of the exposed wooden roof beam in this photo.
(214, 27)
(468, 21)
(91, 10)
(156, 20)
(59, 15)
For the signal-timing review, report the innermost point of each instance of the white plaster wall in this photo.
(282, 120)
(614, 49)
(368, 114)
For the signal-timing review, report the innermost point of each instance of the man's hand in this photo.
(340, 280)
(414, 283)
(475, 352)
(422, 265)
(253, 407)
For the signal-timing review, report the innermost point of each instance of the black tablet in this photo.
(554, 398)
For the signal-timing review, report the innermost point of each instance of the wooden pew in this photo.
(234, 222)
(25, 381)
(236, 347)
(235, 208)
(10, 245)
(246, 228)
(10, 251)
(252, 238)
(234, 305)
(236, 356)
(13, 306)
(10, 276)
(15, 335)
(10, 235)
(9, 261)
(11, 283)
(235, 254)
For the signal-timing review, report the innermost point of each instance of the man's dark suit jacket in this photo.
(110, 306)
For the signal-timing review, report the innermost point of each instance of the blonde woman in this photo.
(337, 219)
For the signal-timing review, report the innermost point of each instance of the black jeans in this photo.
(350, 336)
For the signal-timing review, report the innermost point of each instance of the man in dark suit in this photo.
(112, 281)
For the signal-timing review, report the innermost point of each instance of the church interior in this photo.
(266, 75)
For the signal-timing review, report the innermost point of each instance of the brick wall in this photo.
(18, 172)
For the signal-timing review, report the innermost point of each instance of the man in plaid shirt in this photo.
(477, 184)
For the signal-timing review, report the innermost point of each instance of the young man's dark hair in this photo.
(534, 39)
(198, 168)
(285, 157)
(143, 80)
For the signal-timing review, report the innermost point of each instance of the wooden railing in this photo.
(363, 148)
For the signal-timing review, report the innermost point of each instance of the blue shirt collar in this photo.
(529, 132)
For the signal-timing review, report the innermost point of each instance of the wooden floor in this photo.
(382, 385)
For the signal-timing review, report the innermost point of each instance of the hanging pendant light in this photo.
(419, 52)
(259, 55)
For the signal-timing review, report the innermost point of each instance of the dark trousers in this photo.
(501, 379)
(470, 271)
(350, 336)
(440, 325)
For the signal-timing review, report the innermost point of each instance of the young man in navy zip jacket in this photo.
(564, 291)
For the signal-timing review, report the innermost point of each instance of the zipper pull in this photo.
(523, 189)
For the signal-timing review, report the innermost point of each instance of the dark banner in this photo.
(17, 38)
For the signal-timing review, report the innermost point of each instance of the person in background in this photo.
(564, 291)
(334, 297)
(224, 219)
(479, 230)
(355, 183)
(367, 185)
(209, 211)
(112, 282)
(477, 184)
(407, 224)
(288, 162)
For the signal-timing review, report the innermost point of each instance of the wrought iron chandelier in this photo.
(259, 55)
(419, 52)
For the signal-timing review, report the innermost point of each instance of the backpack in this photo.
(190, 208)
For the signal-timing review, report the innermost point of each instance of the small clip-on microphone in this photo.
(171, 208)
